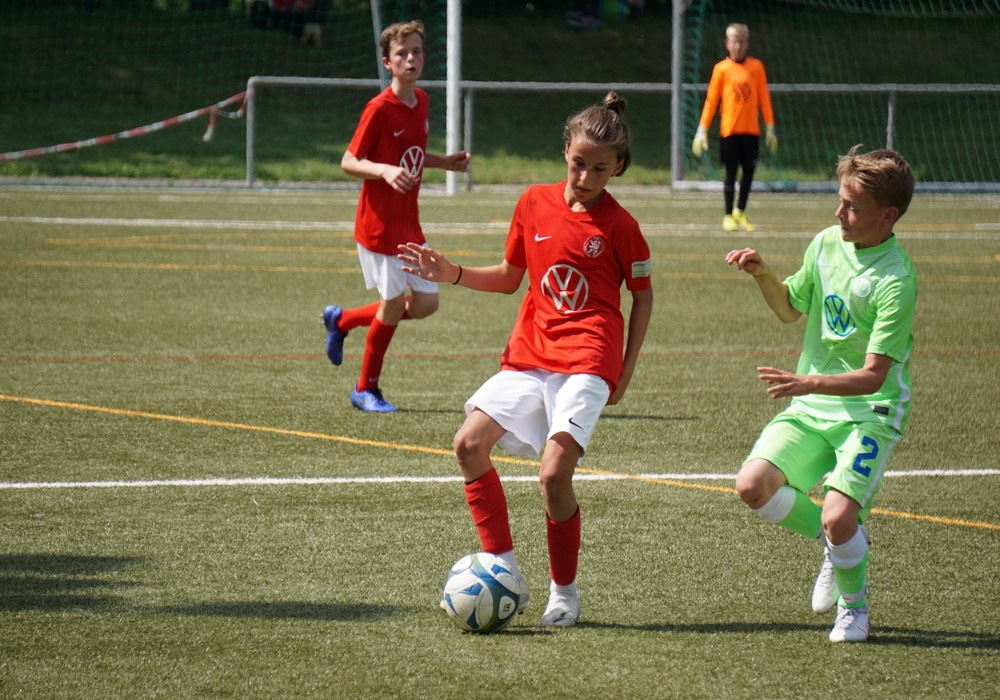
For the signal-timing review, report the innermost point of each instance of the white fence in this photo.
(469, 89)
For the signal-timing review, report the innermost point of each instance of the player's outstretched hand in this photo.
(781, 384)
(427, 263)
(748, 260)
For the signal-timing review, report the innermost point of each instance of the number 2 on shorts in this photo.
(862, 456)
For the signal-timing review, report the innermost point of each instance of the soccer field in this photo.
(191, 507)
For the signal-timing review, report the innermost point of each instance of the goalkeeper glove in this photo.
(700, 142)
(770, 139)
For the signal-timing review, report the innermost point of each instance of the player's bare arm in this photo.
(774, 290)
(456, 162)
(859, 382)
(400, 179)
(638, 322)
(432, 265)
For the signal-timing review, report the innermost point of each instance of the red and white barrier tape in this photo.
(211, 111)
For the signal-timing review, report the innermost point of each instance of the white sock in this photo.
(849, 554)
(569, 591)
(779, 505)
(509, 560)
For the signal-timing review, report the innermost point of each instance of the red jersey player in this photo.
(388, 152)
(569, 353)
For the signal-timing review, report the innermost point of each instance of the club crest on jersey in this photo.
(861, 287)
(838, 316)
(567, 288)
(593, 247)
(413, 160)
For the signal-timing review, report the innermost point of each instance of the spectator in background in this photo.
(303, 18)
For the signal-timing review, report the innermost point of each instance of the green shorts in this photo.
(851, 456)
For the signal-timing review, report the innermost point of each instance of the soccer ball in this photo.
(480, 593)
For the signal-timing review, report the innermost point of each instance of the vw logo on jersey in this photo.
(567, 288)
(838, 317)
(413, 160)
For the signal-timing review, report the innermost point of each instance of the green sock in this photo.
(851, 583)
(804, 517)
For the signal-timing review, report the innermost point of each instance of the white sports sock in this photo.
(779, 506)
(849, 554)
(509, 560)
(568, 590)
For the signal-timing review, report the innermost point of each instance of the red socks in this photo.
(488, 505)
(564, 548)
(361, 316)
(376, 345)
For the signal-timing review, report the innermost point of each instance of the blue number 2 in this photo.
(862, 456)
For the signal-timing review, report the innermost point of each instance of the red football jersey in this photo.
(570, 320)
(390, 132)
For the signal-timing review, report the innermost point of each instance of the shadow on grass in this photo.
(882, 636)
(287, 610)
(60, 581)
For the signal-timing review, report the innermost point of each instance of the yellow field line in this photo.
(437, 451)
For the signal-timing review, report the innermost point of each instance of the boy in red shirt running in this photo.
(564, 360)
(388, 152)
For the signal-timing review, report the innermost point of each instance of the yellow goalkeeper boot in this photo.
(740, 218)
(729, 223)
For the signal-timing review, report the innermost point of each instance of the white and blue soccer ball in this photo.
(480, 593)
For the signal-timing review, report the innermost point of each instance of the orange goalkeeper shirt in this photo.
(742, 87)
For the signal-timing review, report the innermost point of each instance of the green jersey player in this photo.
(851, 391)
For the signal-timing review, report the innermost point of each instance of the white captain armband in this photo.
(642, 268)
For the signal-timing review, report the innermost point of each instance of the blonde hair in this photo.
(397, 33)
(737, 28)
(882, 173)
(603, 124)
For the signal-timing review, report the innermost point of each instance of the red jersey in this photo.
(570, 320)
(390, 132)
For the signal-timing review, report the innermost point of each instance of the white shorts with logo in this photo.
(534, 405)
(385, 273)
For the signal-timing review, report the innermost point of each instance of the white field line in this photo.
(978, 230)
(351, 480)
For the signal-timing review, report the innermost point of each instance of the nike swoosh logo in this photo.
(397, 133)
(539, 238)
(574, 423)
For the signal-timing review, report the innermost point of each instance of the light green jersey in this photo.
(856, 302)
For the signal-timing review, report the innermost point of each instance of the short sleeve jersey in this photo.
(857, 301)
(742, 87)
(391, 132)
(570, 320)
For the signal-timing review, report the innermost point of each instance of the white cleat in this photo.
(523, 594)
(852, 625)
(563, 610)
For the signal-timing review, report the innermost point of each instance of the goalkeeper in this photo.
(740, 82)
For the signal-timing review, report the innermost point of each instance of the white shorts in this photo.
(534, 405)
(385, 273)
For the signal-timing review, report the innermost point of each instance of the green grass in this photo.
(169, 334)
